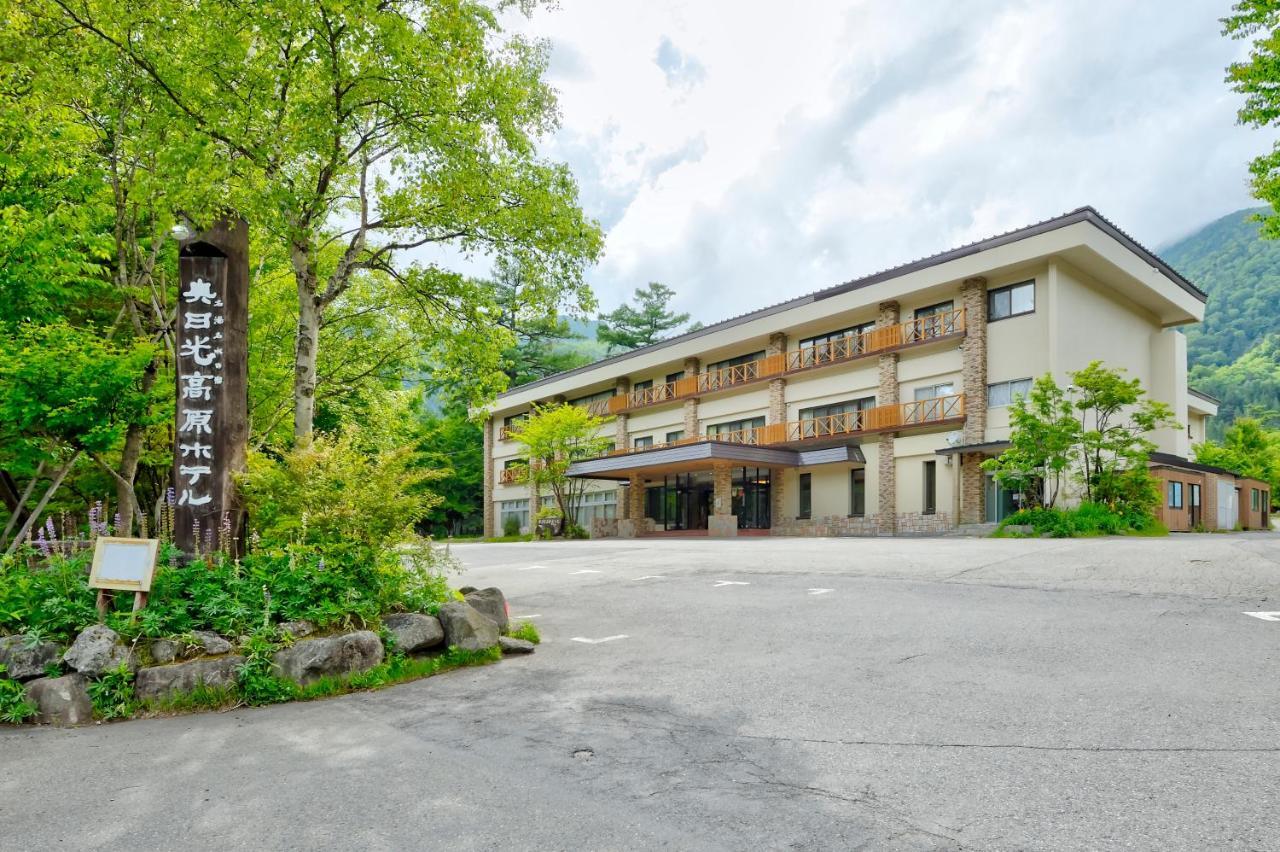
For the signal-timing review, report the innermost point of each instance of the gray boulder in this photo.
(311, 659)
(23, 660)
(211, 643)
(98, 649)
(511, 645)
(163, 650)
(490, 602)
(159, 681)
(465, 627)
(61, 700)
(297, 629)
(414, 631)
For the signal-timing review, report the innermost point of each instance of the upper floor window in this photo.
(590, 398)
(934, 310)
(734, 362)
(851, 331)
(1002, 393)
(835, 408)
(677, 435)
(935, 391)
(642, 443)
(716, 429)
(675, 377)
(515, 420)
(1011, 301)
(645, 385)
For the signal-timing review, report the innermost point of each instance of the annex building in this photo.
(867, 408)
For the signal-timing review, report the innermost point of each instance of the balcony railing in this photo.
(510, 475)
(834, 351)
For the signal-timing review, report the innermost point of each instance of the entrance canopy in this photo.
(701, 455)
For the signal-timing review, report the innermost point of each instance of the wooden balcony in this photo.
(881, 418)
(510, 475)
(840, 350)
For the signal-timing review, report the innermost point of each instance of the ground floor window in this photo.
(857, 492)
(683, 501)
(518, 509)
(597, 504)
(1001, 502)
(930, 488)
(1175, 495)
(806, 495)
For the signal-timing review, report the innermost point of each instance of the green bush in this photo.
(15, 707)
(112, 694)
(511, 526)
(525, 630)
(1087, 519)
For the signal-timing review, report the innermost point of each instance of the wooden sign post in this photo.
(211, 430)
(122, 564)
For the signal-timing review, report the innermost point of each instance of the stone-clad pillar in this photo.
(722, 523)
(620, 439)
(973, 294)
(490, 528)
(635, 496)
(887, 394)
(777, 497)
(692, 366)
(777, 387)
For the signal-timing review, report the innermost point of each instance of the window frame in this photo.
(805, 496)
(853, 330)
(642, 442)
(677, 435)
(1009, 288)
(1009, 383)
(930, 489)
(934, 388)
(934, 310)
(857, 477)
(1174, 495)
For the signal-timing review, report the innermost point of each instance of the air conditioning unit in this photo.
(955, 439)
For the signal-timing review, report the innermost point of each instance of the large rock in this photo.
(414, 631)
(211, 643)
(297, 629)
(163, 651)
(490, 602)
(466, 627)
(98, 649)
(61, 700)
(24, 660)
(311, 659)
(159, 681)
(511, 645)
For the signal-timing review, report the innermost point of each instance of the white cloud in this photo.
(743, 155)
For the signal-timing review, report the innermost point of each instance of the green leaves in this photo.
(630, 328)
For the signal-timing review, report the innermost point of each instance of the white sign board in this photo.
(124, 563)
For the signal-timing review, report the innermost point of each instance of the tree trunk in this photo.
(44, 501)
(16, 514)
(304, 360)
(126, 498)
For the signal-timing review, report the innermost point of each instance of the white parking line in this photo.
(529, 568)
(530, 615)
(720, 583)
(649, 577)
(820, 591)
(597, 641)
(584, 571)
(1265, 616)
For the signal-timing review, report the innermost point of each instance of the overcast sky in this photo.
(746, 152)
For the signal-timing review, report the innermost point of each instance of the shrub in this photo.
(525, 630)
(511, 526)
(112, 694)
(52, 601)
(15, 707)
(1085, 520)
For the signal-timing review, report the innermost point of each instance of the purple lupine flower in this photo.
(171, 496)
(43, 543)
(116, 522)
(320, 564)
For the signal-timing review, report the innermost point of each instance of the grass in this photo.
(199, 699)
(493, 539)
(525, 630)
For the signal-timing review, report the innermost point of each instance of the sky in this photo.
(746, 152)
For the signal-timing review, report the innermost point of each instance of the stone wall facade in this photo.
(692, 366)
(973, 492)
(887, 394)
(828, 525)
(917, 523)
(777, 412)
(973, 495)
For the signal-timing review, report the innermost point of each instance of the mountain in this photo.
(1234, 354)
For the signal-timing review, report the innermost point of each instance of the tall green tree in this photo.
(378, 126)
(541, 333)
(629, 327)
(1258, 79)
(1044, 434)
(553, 437)
(452, 444)
(1248, 448)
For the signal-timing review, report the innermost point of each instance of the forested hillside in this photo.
(1234, 354)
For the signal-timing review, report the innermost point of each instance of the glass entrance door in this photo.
(751, 490)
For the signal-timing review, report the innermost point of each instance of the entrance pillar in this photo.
(722, 523)
(632, 523)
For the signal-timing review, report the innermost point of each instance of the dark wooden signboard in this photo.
(211, 429)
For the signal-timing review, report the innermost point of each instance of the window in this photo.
(930, 488)
(645, 385)
(1254, 499)
(518, 509)
(675, 377)
(806, 495)
(642, 443)
(935, 391)
(734, 362)
(677, 435)
(1002, 393)
(1175, 495)
(857, 492)
(934, 310)
(836, 418)
(718, 429)
(851, 331)
(1011, 301)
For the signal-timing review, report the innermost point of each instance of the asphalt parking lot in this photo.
(756, 693)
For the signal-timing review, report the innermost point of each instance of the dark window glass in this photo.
(806, 494)
(1175, 495)
(930, 487)
(672, 437)
(1011, 301)
(733, 362)
(852, 330)
(734, 426)
(641, 443)
(858, 492)
(675, 377)
(933, 310)
(645, 385)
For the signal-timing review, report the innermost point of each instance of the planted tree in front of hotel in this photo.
(553, 437)
(1042, 442)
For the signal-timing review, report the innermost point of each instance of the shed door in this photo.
(1228, 510)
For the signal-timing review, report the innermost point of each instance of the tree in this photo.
(453, 444)
(1115, 419)
(374, 126)
(1258, 79)
(1043, 437)
(1249, 449)
(554, 437)
(540, 334)
(630, 328)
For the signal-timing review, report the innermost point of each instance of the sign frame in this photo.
(143, 585)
